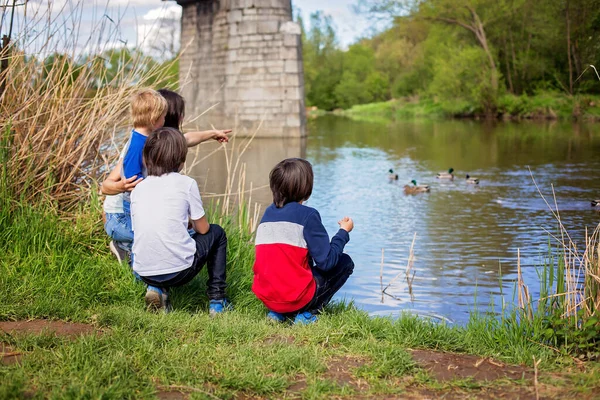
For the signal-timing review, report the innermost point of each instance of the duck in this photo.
(446, 175)
(596, 203)
(415, 188)
(472, 180)
(392, 176)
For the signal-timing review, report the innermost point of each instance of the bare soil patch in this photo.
(278, 339)
(39, 326)
(9, 355)
(341, 371)
(449, 366)
(171, 395)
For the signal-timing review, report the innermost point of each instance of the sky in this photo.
(150, 24)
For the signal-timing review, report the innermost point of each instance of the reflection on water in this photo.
(466, 234)
(258, 155)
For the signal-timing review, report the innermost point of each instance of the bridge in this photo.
(244, 59)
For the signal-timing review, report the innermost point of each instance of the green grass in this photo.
(61, 269)
(543, 105)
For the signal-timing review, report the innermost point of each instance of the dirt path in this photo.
(489, 378)
(8, 355)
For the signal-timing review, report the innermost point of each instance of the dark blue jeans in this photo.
(329, 283)
(211, 249)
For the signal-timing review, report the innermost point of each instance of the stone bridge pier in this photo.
(243, 58)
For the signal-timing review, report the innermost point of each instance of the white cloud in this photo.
(170, 12)
(135, 2)
(349, 26)
(159, 37)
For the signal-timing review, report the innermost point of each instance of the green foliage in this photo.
(464, 54)
(582, 340)
(463, 74)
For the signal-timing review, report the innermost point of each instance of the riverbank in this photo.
(543, 106)
(107, 345)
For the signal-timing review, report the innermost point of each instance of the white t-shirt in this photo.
(160, 208)
(113, 204)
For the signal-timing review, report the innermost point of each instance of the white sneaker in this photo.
(118, 252)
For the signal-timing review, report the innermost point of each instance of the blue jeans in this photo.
(118, 228)
(328, 283)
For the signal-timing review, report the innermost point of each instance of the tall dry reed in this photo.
(65, 98)
(568, 310)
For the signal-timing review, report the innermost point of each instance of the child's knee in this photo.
(218, 231)
(346, 263)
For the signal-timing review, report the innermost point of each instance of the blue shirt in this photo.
(133, 163)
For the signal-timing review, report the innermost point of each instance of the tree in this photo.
(322, 61)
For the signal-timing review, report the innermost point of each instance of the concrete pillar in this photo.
(245, 55)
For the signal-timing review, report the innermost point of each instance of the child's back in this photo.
(148, 111)
(297, 268)
(161, 206)
(165, 255)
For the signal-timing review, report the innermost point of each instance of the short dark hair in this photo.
(175, 108)
(164, 152)
(291, 180)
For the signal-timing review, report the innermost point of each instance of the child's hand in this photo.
(127, 185)
(221, 136)
(346, 224)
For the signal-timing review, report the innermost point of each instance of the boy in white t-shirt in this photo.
(161, 206)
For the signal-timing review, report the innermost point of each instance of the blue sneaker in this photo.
(305, 318)
(218, 306)
(157, 299)
(275, 316)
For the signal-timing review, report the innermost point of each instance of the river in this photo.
(467, 236)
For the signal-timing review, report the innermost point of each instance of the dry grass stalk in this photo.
(523, 291)
(233, 200)
(536, 384)
(381, 273)
(59, 112)
(581, 291)
(409, 267)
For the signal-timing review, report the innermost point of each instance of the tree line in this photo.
(479, 52)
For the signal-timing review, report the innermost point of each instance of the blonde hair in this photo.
(147, 106)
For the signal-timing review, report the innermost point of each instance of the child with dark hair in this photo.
(174, 119)
(161, 205)
(119, 181)
(297, 269)
(123, 178)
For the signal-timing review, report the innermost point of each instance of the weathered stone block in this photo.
(290, 27)
(237, 3)
(289, 53)
(291, 66)
(268, 26)
(234, 16)
(247, 28)
(293, 94)
(275, 70)
(290, 106)
(234, 42)
(290, 40)
(253, 38)
(293, 121)
(290, 80)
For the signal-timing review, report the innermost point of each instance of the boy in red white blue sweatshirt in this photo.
(297, 268)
